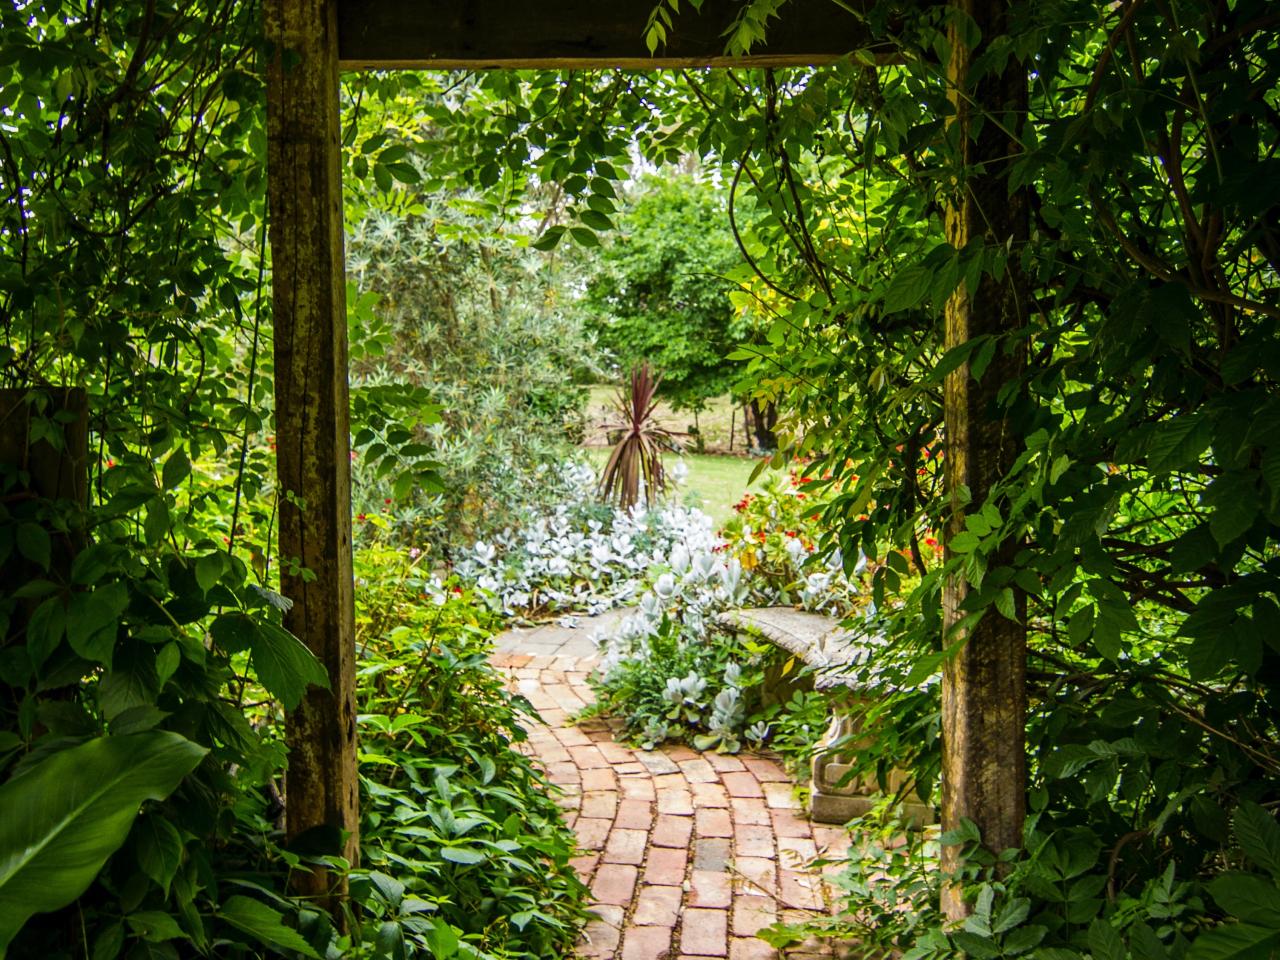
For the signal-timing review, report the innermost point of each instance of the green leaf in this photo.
(1234, 501)
(1178, 442)
(265, 925)
(1271, 473)
(45, 630)
(549, 239)
(1005, 604)
(907, 288)
(209, 570)
(465, 855)
(1105, 942)
(975, 946)
(109, 943)
(1235, 941)
(34, 544)
(1248, 897)
(176, 469)
(233, 632)
(595, 220)
(167, 662)
(69, 813)
(1011, 915)
(284, 665)
(442, 939)
(138, 719)
(1258, 834)
(1080, 626)
(159, 848)
(155, 926)
(93, 620)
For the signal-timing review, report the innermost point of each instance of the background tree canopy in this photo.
(659, 290)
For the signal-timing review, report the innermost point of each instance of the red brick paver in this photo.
(687, 854)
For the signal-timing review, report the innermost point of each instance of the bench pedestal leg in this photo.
(838, 797)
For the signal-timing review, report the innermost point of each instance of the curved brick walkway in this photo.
(687, 854)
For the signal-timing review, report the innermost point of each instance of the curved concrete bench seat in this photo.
(822, 643)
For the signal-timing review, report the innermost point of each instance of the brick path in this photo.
(687, 854)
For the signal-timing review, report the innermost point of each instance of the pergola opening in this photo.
(983, 692)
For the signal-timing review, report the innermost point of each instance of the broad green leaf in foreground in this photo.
(264, 924)
(67, 815)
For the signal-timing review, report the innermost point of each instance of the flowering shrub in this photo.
(776, 537)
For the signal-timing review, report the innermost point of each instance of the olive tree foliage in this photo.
(455, 308)
(1146, 500)
(482, 326)
(659, 288)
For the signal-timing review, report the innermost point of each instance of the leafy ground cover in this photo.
(668, 670)
(465, 851)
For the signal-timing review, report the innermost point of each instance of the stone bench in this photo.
(821, 643)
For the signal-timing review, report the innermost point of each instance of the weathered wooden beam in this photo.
(312, 415)
(983, 686)
(601, 34)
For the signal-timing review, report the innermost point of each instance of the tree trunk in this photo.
(57, 471)
(764, 418)
(983, 685)
(312, 417)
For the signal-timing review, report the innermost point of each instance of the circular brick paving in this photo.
(687, 854)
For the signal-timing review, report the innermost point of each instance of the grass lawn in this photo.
(715, 484)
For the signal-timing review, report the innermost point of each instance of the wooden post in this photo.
(312, 415)
(983, 686)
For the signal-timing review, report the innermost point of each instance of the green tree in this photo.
(659, 291)
(481, 324)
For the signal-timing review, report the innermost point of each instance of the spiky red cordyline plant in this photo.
(636, 461)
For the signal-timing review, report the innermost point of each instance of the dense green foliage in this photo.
(658, 290)
(144, 671)
(480, 326)
(131, 261)
(461, 834)
(1145, 507)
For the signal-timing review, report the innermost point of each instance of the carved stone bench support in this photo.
(819, 642)
(837, 797)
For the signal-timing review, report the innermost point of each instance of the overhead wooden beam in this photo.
(603, 34)
(313, 440)
(983, 686)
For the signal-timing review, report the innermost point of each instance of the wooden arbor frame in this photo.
(983, 696)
